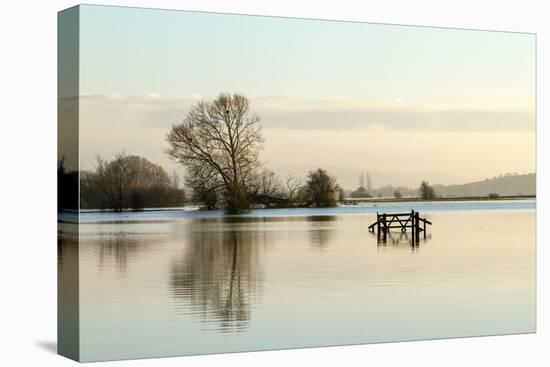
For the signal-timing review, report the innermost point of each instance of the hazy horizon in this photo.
(402, 103)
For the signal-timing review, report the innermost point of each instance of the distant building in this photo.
(369, 183)
(362, 179)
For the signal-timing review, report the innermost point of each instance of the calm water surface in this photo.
(190, 282)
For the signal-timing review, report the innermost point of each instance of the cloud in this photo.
(156, 111)
(453, 142)
(340, 113)
(141, 111)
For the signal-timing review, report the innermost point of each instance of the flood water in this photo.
(164, 283)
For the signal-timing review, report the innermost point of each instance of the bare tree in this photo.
(114, 179)
(129, 181)
(264, 188)
(218, 143)
(293, 186)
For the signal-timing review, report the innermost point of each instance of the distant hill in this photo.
(504, 185)
(509, 184)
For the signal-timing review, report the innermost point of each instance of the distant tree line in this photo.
(128, 182)
(318, 189)
(425, 191)
(383, 191)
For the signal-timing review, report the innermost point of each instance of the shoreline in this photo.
(348, 203)
(457, 198)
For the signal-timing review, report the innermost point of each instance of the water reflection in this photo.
(68, 291)
(203, 285)
(320, 230)
(218, 277)
(120, 248)
(116, 245)
(400, 239)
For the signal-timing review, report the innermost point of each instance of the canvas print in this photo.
(242, 183)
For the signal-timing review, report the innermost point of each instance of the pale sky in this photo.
(404, 103)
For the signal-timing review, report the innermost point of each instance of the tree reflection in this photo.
(320, 230)
(218, 276)
(120, 248)
(117, 244)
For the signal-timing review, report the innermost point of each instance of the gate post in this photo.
(417, 226)
(412, 224)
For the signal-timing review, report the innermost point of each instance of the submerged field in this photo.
(159, 283)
